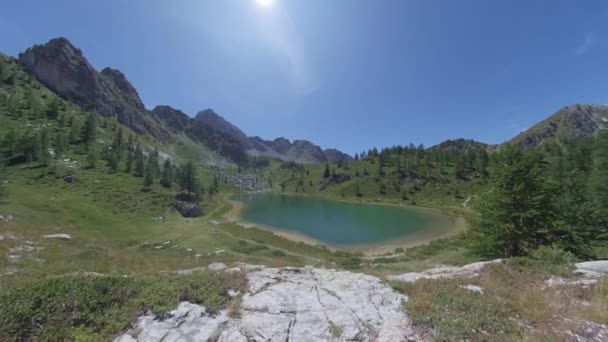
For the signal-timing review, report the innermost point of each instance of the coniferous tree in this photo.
(199, 191)
(52, 110)
(514, 217)
(88, 130)
(75, 130)
(598, 180)
(60, 143)
(188, 178)
(92, 157)
(129, 162)
(326, 172)
(166, 178)
(148, 177)
(139, 162)
(43, 148)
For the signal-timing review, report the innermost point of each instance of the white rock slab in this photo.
(439, 272)
(64, 237)
(292, 304)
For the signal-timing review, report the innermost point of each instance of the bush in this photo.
(248, 248)
(554, 254)
(278, 253)
(70, 307)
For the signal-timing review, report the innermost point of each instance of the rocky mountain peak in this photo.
(570, 122)
(63, 68)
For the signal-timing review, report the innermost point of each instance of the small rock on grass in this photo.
(64, 237)
(218, 266)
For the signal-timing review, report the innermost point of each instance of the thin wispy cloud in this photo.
(588, 42)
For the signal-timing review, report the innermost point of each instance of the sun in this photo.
(264, 3)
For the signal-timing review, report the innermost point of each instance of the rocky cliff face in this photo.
(568, 123)
(174, 119)
(64, 69)
(218, 123)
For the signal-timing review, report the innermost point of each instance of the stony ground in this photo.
(291, 304)
(311, 304)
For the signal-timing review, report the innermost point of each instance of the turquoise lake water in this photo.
(339, 223)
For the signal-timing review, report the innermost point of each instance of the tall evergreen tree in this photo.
(92, 157)
(166, 178)
(598, 180)
(139, 162)
(43, 140)
(88, 130)
(148, 177)
(326, 172)
(515, 216)
(188, 178)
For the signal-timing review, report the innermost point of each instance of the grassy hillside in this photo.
(433, 178)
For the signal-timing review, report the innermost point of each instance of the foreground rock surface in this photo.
(439, 272)
(291, 304)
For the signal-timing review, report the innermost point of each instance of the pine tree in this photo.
(326, 172)
(52, 110)
(598, 180)
(148, 178)
(88, 130)
(199, 190)
(514, 217)
(139, 162)
(43, 154)
(92, 157)
(129, 163)
(60, 143)
(74, 130)
(188, 178)
(166, 178)
(215, 186)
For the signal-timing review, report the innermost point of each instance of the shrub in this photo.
(554, 254)
(70, 307)
(278, 253)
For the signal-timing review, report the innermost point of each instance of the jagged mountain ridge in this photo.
(301, 151)
(64, 69)
(570, 122)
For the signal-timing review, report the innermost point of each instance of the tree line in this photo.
(553, 195)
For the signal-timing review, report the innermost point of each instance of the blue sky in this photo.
(350, 74)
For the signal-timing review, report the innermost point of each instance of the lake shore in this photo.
(457, 226)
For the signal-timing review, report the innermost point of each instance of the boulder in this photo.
(64, 237)
(188, 209)
(71, 179)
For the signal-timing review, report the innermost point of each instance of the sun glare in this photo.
(264, 3)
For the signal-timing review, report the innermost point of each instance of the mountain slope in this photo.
(64, 69)
(300, 151)
(581, 120)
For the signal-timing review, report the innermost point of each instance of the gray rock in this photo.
(472, 288)
(218, 266)
(71, 179)
(64, 237)
(439, 272)
(592, 269)
(292, 304)
(188, 209)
